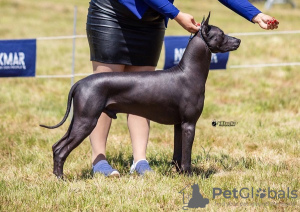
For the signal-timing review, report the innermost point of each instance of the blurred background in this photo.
(262, 150)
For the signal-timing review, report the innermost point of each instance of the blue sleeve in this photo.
(164, 7)
(242, 7)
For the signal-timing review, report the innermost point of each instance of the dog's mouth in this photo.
(236, 44)
(229, 44)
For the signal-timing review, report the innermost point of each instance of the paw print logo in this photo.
(261, 193)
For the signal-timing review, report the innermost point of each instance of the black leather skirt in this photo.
(117, 36)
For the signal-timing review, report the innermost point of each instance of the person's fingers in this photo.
(263, 25)
(272, 22)
(193, 29)
(193, 21)
(267, 27)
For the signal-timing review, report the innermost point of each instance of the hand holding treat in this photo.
(266, 21)
(272, 22)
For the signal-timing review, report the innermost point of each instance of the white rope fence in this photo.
(63, 76)
(61, 37)
(230, 67)
(231, 34)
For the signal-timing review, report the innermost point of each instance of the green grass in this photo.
(261, 151)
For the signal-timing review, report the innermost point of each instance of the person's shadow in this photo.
(197, 199)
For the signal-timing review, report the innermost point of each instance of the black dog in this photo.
(174, 96)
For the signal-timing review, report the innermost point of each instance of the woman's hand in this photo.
(265, 21)
(187, 22)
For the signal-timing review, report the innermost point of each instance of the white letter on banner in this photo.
(21, 59)
(4, 58)
(178, 54)
(16, 59)
(8, 60)
(1, 55)
(214, 58)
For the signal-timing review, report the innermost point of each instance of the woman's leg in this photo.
(138, 126)
(99, 135)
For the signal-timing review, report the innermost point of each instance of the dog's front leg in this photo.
(188, 134)
(177, 155)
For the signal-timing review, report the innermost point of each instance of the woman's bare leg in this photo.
(138, 126)
(99, 135)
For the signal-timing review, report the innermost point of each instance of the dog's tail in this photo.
(70, 97)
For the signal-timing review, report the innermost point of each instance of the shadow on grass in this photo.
(160, 164)
(204, 173)
(204, 165)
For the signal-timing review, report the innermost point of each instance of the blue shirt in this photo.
(139, 7)
(242, 7)
(166, 7)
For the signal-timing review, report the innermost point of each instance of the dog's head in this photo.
(215, 38)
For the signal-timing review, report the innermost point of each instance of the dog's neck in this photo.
(196, 58)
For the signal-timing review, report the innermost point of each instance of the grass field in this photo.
(261, 151)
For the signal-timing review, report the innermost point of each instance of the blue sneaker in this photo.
(140, 167)
(103, 167)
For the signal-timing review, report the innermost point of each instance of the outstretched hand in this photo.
(187, 22)
(266, 21)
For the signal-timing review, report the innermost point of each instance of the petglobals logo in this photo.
(192, 198)
(246, 193)
(215, 123)
(12, 60)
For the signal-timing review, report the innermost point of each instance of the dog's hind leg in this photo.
(58, 146)
(86, 114)
(80, 129)
(177, 154)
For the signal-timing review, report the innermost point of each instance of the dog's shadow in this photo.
(160, 164)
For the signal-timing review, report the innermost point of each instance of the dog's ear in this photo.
(204, 24)
(207, 20)
(203, 20)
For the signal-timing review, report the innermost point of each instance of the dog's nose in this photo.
(238, 42)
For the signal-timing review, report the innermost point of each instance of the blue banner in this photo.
(17, 58)
(175, 47)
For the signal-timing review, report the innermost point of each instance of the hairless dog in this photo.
(173, 97)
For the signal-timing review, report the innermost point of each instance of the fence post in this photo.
(74, 45)
(73, 55)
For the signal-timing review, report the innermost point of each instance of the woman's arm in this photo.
(164, 7)
(242, 7)
(251, 13)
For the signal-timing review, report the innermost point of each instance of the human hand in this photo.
(187, 22)
(265, 21)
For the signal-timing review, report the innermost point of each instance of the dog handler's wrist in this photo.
(256, 18)
(178, 16)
